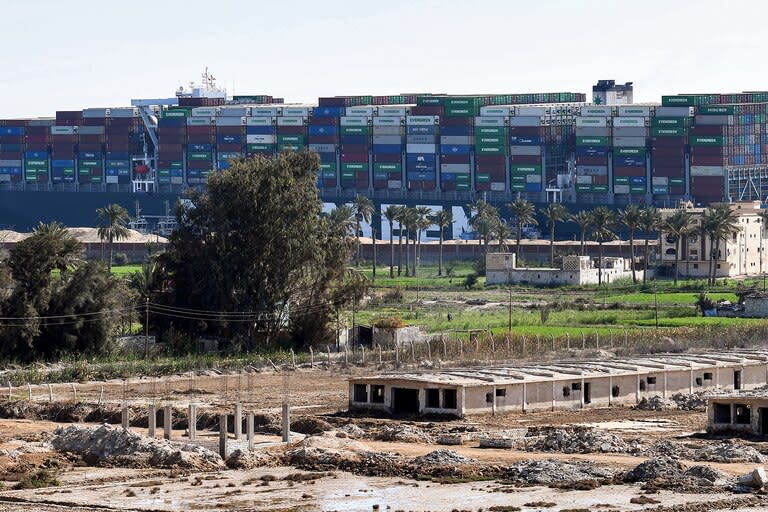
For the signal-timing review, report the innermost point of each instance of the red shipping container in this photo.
(36, 130)
(328, 183)
(64, 139)
(707, 130)
(428, 185)
(668, 161)
(388, 158)
(457, 121)
(354, 157)
(600, 180)
(89, 147)
(665, 142)
(525, 159)
(11, 139)
(628, 171)
(11, 155)
(322, 139)
(13, 122)
(230, 130)
(324, 121)
(200, 130)
(199, 164)
(166, 147)
(93, 121)
(672, 172)
(35, 146)
(527, 131)
(481, 186)
(380, 184)
(455, 159)
(355, 148)
(708, 150)
(291, 130)
(230, 147)
(91, 138)
(120, 121)
(707, 160)
(677, 190)
(490, 159)
(191, 139)
(427, 110)
(592, 160)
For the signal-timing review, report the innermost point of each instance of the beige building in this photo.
(744, 412)
(741, 255)
(501, 268)
(557, 385)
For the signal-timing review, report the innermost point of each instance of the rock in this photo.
(118, 446)
(655, 403)
(651, 469)
(499, 442)
(310, 425)
(450, 439)
(352, 431)
(755, 479)
(707, 473)
(247, 459)
(442, 457)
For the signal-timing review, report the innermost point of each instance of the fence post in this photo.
(249, 429)
(223, 436)
(362, 347)
(610, 333)
(378, 349)
(126, 416)
(286, 423)
(413, 352)
(311, 358)
(568, 341)
(445, 347)
(597, 339)
(506, 342)
(74, 393)
(293, 358)
(29, 392)
(167, 421)
(583, 341)
(192, 422)
(238, 420)
(429, 351)
(9, 391)
(626, 336)
(346, 355)
(101, 396)
(329, 356)
(151, 419)
(553, 342)
(461, 348)
(50, 393)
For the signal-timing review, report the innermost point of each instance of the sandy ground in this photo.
(321, 392)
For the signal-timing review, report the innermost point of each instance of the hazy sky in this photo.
(76, 54)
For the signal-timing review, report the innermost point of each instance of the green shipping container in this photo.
(290, 139)
(200, 155)
(463, 186)
(583, 188)
(518, 178)
(328, 166)
(260, 148)
(491, 150)
(90, 163)
(489, 140)
(355, 130)
(517, 186)
(717, 110)
(491, 131)
(483, 177)
(668, 132)
(706, 140)
(388, 167)
(177, 165)
(637, 189)
(593, 141)
(670, 122)
(526, 169)
(36, 164)
(639, 152)
(290, 147)
(600, 188)
(677, 181)
(463, 177)
(354, 166)
(621, 180)
(461, 111)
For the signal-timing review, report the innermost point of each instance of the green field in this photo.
(125, 270)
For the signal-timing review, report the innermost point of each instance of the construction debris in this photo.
(403, 434)
(107, 445)
(499, 442)
(652, 469)
(678, 401)
(755, 479)
(724, 451)
(248, 459)
(442, 457)
(353, 431)
(556, 473)
(575, 439)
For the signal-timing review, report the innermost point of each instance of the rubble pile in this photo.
(107, 445)
(575, 439)
(310, 425)
(403, 434)
(353, 431)
(655, 403)
(324, 451)
(678, 401)
(725, 451)
(668, 473)
(555, 473)
(442, 457)
(652, 469)
(248, 459)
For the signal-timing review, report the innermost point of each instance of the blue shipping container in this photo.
(421, 130)
(389, 149)
(36, 155)
(533, 187)
(421, 176)
(421, 157)
(117, 155)
(10, 170)
(323, 129)
(354, 139)
(628, 161)
(327, 157)
(261, 130)
(637, 180)
(63, 163)
(591, 151)
(456, 131)
(229, 139)
(328, 111)
(455, 149)
(200, 147)
(13, 131)
(525, 140)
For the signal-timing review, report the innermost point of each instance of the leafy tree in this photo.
(582, 219)
(554, 213)
(602, 231)
(423, 222)
(650, 220)
(442, 219)
(253, 257)
(364, 209)
(676, 226)
(704, 303)
(390, 213)
(720, 223)
(113, 219)
(341, 221)
(482, 219)
(629, 217)
(523, 213)
(410, 221)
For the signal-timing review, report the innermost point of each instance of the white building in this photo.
(501, 268)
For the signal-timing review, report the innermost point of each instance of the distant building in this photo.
(606, 92)
(742, 412)
(501, 268)
(741, 255)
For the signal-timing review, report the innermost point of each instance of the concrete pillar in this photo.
(581, 395)
(664, 391)
(493, 402)
(286, 423)
(691, 381)
(126, 416)
(192, 422)
(610, 390)
(525, 395)
(223, 435)
(238, 421)
(553, 395)
(637, 390)
(167, 421)
(151, 419)
(249, 429)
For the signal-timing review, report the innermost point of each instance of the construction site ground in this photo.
(350, 463)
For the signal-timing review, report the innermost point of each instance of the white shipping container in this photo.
(266, 111)
(360, 111)
(660, 180)
(199, 121)
(584, 180)
(230, 121)
(450, 140)
(448, 168)
(621, 189)
(707, 170)
(498, 186)
(323, 148)
(111, 179)
(712, 120)
(630, 121)
(234, 111)
(5, 177)
(592, 170)
(204, 112)
(91, 130)
(387, 130)
(290, 121)
(387, 139)
(635, 110)
(495, 111)
(674, 111)
(260, 139)
(538, 111)
(526, 121)
(392, 111)
(353, 121)
(123, 112)
(586, 131)
(175, 180)
(260, 121)
(621, 131)
(386, 121)
(421, 119)
(394, 184)
(420, 139)
(594, 122)
(95, 112)
(295, 111)
(596, 111)
(490, 121)
(533, 178)
(10, 163)
(525, 150)
(421, 148)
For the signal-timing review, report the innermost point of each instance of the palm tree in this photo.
(523, 213)
(501, 231)
(482, 219)
(554, 212)
(442, 219)
(399, 217)
(410, 221)
(676, 226)
(602, 231)
(364, 209)
(112, 226)
(341, 221)
(721, 223)
(390, 213)
(650, 219)
(582, 219)
(630, 218)
(422, 224)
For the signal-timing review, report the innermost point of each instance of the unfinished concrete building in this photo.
(557, 385)
(744, 412)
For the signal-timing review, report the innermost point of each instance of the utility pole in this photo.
(146, 328)
(373, 237)
(656, 303)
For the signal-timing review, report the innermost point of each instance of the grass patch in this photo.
(37, 480)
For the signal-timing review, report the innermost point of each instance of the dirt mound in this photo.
(556, 473)
(353, 431)
(707, 473)
(442, 457)
(248, 459)
(310, 425)
(403, 434)
(325, 451)
(652, 469)
(678, 401)
(106, 445)
(725, 451)
(575, 439)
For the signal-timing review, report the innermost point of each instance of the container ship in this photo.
(430, 149)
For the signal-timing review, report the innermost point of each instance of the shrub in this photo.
(120, 258)
(37, 480)
(391, 322)
(396, 294)
(470, 281)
